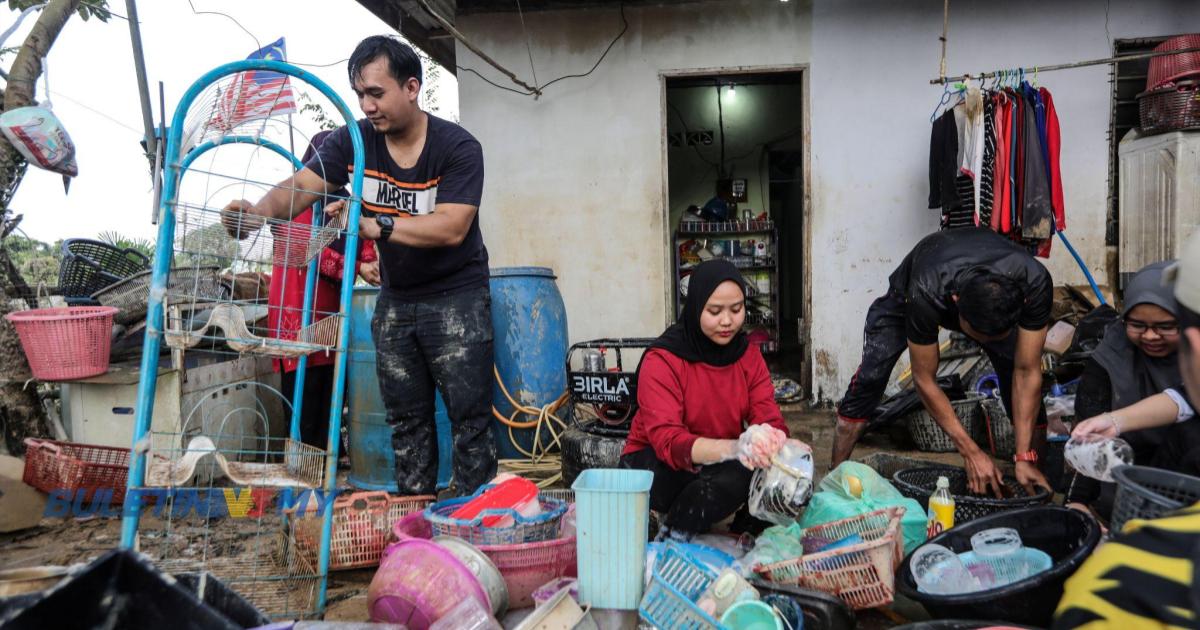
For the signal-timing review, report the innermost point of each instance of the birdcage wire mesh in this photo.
(215, 488)
(224, 514)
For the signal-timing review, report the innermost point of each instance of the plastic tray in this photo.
(670, 599)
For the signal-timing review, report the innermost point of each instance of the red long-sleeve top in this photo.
(286, 295)
(680, 401)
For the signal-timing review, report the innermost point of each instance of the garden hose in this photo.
(544, 419)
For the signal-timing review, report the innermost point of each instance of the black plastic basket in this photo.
(888, 464)
(920, 484)
(88, 266)
(821, 611)
(928, 434)
(604, 400)
(1144, 492)
(1067, 536)
(123, 589)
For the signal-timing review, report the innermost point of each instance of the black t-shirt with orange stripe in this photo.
(449, 170)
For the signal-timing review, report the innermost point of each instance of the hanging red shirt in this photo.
(680, 401)
(286, 297)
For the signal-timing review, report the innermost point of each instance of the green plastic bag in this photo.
(834, 501)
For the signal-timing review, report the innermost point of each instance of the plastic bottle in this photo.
(941, 509)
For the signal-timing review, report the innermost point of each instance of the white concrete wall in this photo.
(576, 179)
(871, 102)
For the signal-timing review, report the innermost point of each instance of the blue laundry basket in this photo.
(612, 512)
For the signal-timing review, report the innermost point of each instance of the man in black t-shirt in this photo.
(977, 282)
(423, 180)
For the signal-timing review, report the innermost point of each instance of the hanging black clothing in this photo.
(943, 163)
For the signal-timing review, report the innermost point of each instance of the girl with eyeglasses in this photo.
(1136, 360)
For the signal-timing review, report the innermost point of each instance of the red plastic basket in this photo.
(51, 465)
(1168, 68)
(65, 343)
(362, 523)
(524, 566)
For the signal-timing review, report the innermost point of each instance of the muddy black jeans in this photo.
(314, 413)
(885, 339)
(445, 342)
(693, 501)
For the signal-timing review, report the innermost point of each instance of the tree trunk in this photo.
(21, 411)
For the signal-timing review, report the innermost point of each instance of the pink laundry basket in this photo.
(65, 343)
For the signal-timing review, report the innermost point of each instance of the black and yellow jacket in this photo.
(1142, 578)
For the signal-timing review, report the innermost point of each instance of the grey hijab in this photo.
(1135, 376)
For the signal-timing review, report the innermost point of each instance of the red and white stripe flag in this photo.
(255, 94)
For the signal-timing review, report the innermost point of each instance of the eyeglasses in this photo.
(1165, 329)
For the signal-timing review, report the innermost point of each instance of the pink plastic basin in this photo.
(525, 567)
(418, 582)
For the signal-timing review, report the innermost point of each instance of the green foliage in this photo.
(38, 262)
(318, 114)
(87, 9)
(208, 245)
(143, 246)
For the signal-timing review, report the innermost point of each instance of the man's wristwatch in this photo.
(385, 223)
(1030, 456)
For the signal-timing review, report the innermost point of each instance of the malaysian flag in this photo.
(255, 94)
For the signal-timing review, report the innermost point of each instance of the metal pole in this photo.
(139, 64)
(1066, 66)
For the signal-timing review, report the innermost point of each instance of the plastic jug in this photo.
(1096, 457)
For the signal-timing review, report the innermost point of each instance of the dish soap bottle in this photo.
(941, 509)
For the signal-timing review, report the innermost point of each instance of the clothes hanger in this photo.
(942, 101)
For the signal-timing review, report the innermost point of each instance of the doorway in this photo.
(736, 189)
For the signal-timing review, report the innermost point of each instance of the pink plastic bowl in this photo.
(418, 582)
(525, 567)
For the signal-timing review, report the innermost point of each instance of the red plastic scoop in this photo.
(510, 494)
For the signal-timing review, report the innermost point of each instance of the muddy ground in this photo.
(68, 541)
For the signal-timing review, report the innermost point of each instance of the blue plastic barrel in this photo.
(372, 460)
(530, 325)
